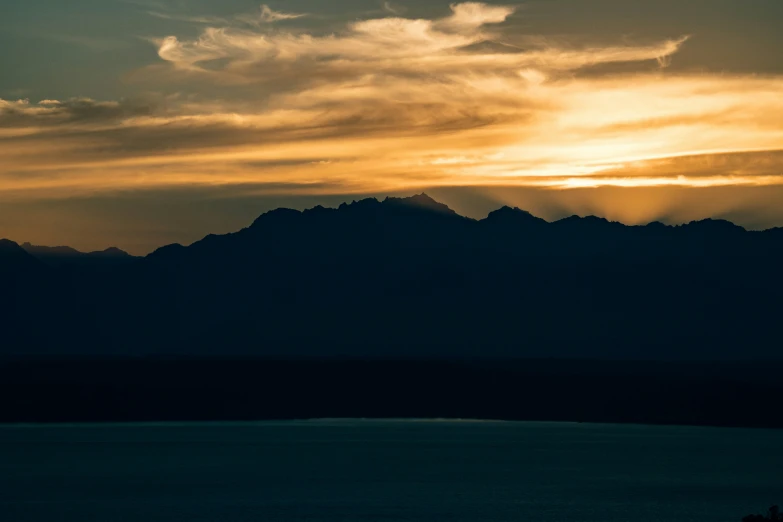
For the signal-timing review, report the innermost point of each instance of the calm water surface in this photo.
(388, 471)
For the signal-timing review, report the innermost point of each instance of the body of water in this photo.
(329, 471)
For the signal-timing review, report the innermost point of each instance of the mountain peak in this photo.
(420, 201)
(318, 210)
(587, 221)
(38, 250)
(361, 204)
(276, 216)
(8, 246)
(514, 215)
(716, 225)
(173, 251)
(13, 256)
(656, 225)
(110, 252)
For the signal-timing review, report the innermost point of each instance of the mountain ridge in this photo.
(423, 206)
(423, 202)
(408, 277)
(70, 252)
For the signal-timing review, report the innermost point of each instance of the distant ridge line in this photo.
(418, 202)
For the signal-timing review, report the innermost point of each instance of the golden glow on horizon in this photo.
(395, 103)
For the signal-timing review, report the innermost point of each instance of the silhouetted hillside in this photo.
(14, 257)
(23, 281)
(408, 277)
(63, 255)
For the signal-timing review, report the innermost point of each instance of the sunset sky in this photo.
(139, 123)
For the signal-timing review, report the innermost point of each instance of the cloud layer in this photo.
(396, 103)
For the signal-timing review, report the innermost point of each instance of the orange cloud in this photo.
(396, 103)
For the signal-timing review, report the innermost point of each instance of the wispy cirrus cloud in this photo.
(392, 45)
(393, 8)
(55, 113)
(211, 20)
(269, 15)
(265, 15)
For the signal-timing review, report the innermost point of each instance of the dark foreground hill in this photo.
(409, 278)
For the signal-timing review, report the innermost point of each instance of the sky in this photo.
(138, 123)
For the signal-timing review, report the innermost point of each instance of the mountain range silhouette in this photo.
(408, 277)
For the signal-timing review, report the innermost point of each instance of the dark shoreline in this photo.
(729, 394)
